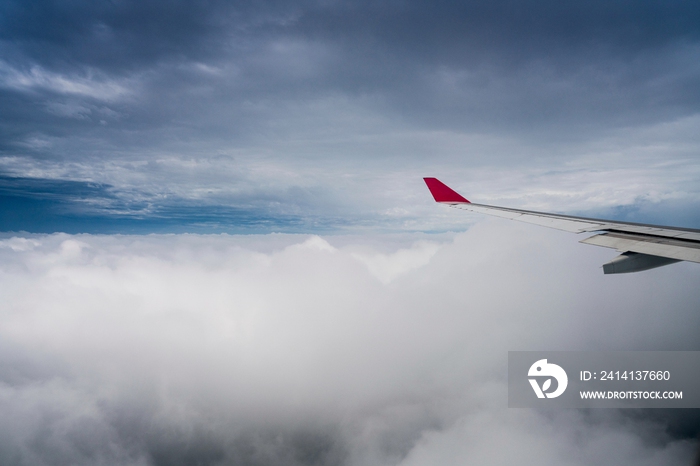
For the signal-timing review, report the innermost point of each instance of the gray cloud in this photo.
(475, 66)
(206, 104)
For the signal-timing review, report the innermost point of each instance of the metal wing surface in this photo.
(642, 246)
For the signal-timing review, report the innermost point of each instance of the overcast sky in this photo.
(122, 116)
(342, 318)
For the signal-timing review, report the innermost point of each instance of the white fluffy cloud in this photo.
(284, 349)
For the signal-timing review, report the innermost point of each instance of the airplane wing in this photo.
(643, 247)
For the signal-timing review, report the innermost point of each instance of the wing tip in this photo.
(443, 193)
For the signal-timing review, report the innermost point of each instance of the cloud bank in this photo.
(308, 350)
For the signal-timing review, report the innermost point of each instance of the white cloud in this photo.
(120, 349)
(386, 267)
(88, 85)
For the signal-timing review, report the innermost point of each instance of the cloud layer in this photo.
(294, 349)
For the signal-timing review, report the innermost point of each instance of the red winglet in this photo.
(442, 193)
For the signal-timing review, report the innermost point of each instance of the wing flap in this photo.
(677, 233)
(655, 246)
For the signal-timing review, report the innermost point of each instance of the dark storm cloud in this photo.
(479, 64)
(443, 32)
(123, 34)
(308, 92)
(485, 66)
(112, 35)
